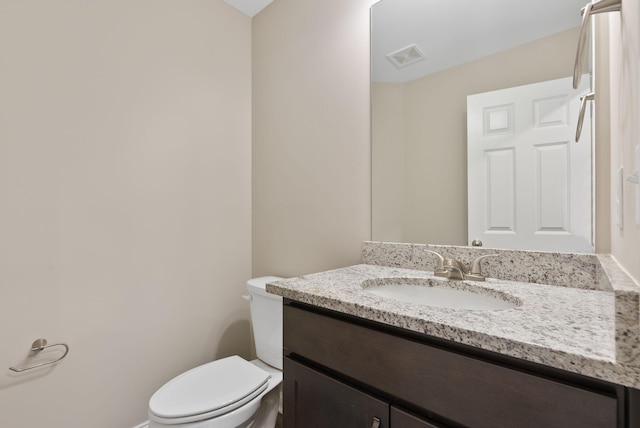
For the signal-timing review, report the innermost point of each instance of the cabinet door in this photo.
(402, 419)
(315, 400)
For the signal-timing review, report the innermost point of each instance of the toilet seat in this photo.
(207, 391)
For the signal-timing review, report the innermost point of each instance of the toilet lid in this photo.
(219, 387)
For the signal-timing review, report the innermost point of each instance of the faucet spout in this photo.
(455, 269)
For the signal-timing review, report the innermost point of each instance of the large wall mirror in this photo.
(458, 89)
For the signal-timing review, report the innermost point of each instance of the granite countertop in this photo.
(573, 329)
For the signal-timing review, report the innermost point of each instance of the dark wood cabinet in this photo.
(340, 365)
(315, 400)
(404, 419)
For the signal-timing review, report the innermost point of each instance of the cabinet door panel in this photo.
(402, 419)
(315, 400)
(460, 388)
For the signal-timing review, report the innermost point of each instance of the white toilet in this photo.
(231, 392)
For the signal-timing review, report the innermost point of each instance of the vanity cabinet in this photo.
(343, 371)
(403, 419)
(321, 401)
(317, 401)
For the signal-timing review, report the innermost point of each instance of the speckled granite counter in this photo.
(561, 326)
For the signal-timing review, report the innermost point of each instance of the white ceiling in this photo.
(453, 32)
(249, 7)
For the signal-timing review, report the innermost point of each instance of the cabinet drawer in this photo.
(460, 388)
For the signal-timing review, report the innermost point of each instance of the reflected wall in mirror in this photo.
(419, 112)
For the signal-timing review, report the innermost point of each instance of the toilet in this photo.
(231, 392)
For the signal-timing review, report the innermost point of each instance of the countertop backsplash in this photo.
(562, 269)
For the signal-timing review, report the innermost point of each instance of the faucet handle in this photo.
(439, 270)
(475, 270)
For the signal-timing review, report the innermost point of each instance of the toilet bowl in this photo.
(231, 392)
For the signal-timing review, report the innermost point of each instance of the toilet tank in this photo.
(266, 319)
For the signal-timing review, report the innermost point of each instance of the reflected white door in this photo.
(529, 182)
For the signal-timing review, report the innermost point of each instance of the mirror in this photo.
(427, 57)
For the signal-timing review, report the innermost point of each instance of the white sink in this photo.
(424, 292)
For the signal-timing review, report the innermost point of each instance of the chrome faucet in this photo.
(454, 269)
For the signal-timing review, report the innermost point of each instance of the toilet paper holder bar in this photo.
(37, 346)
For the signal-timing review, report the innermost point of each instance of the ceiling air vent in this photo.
(406, 56)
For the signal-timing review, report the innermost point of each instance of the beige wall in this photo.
(624, 39)
(435, 186)
(602, 129)
(311, 138)
(125, 200)
(387, 161)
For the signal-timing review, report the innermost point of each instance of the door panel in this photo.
(501, 184)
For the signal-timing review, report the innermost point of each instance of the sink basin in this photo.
(430, 293)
